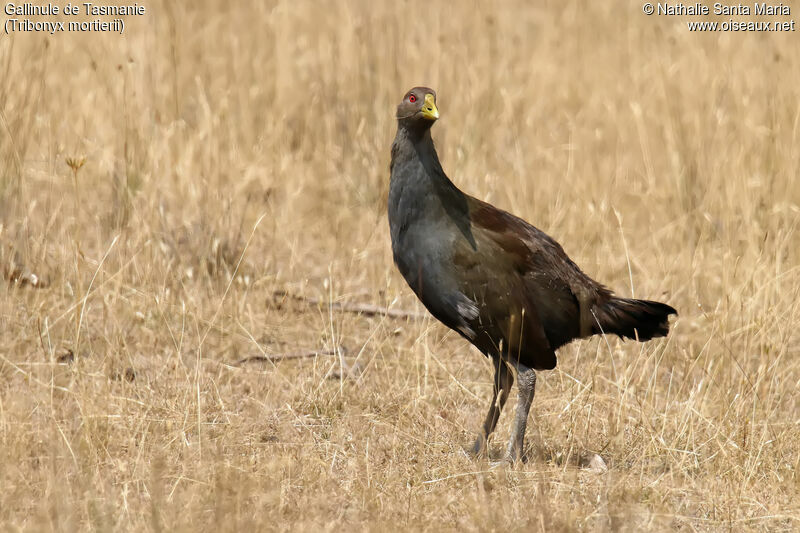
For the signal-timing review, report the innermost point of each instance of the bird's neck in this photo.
(419, 189)
(415, 148)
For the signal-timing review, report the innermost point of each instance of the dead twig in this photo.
(345, 371)
(261, 358)
(360, 308)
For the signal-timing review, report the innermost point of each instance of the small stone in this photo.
(597, 464)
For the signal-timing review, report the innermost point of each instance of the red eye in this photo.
(412, 98)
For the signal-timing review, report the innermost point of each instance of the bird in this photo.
(502, 284)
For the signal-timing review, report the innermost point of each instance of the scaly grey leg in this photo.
(526, 384)
(503, 379)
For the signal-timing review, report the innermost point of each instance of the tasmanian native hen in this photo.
(502, 284)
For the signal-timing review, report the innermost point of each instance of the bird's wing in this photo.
(552, 284)
(539, 250)
(492, 265)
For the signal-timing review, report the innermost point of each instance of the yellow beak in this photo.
(429, 110)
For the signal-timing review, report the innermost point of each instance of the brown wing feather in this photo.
(542, 251)
(554, 286)
(507, 268)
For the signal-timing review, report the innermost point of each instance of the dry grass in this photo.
(235, 151)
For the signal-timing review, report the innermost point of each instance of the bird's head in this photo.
(418, 109)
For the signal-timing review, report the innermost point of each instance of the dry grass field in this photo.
(233, 200)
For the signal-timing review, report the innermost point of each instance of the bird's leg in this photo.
(526, 384)
(494, 413)
(503, 379)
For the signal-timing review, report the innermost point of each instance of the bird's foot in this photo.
(506, 462)
(480, 449)
(514, 454)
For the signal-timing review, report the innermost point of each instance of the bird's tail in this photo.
(635, 319)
